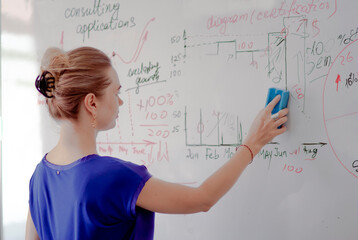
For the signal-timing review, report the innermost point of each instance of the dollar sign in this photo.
(315, 27)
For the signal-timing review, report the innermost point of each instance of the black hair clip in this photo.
(45, 85)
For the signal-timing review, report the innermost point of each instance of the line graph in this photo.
(142, 39)
(281, 53)
(216, 129)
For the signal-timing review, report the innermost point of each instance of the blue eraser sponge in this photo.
(272, 93)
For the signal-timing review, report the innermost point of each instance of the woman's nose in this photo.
(120, 101)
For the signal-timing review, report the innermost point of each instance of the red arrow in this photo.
(141, 41)
(338, 80)
(149, 142)
(144, 39)
(145, 142)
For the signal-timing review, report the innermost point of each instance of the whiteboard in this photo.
(194, 75)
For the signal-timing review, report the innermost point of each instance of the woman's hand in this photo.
(263, 129)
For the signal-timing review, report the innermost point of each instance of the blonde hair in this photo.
(77, 73)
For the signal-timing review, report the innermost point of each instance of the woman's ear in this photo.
(90, 103)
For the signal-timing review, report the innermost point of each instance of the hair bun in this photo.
(45, 84)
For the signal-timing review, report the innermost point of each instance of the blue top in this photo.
(92, 198)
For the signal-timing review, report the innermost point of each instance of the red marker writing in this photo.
(338, 80)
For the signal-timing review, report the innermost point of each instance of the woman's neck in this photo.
(76, 141)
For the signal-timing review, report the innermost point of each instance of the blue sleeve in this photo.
(112, 194)
(143, 174)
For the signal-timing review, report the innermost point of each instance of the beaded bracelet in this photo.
(252, 155)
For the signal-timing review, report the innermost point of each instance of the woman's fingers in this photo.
(281, 130)
(283, 112)
(272, 104)
(280, 121)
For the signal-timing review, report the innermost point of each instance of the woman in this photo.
(77, 194)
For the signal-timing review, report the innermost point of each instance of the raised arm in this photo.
(164, 197)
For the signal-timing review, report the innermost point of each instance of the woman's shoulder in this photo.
(107, 172)
(115, 161)
(117, 164)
